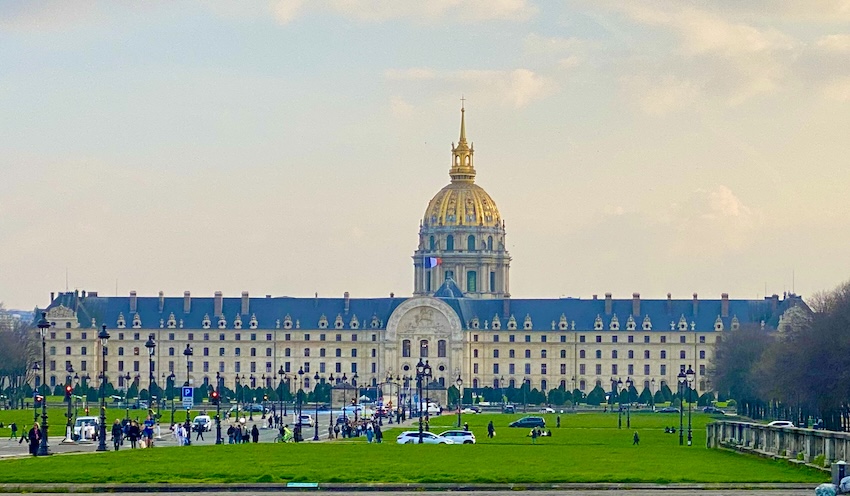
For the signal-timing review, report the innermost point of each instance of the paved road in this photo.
(637, 492)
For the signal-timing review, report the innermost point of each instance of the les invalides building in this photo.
(461, 319)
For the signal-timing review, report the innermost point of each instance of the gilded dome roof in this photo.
(462, 203)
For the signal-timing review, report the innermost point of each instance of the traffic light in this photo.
(265, 397)
(68, 390)
(214, 397)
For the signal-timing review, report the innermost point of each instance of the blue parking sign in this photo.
(188, 397)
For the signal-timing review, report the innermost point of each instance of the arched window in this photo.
(450, 243)
(471, 281)
(441, 348)
(582, 385)
(470, 243)
(475, 383)
(543, 385)
(120, 351)
(431, 243)
(490, 243)
(405, 348)
(496, 383)
(423, 348)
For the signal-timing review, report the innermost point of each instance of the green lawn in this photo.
(587, 448)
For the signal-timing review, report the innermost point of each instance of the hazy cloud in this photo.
(381, 10)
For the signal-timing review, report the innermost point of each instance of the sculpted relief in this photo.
(426, 317)
(423, 320)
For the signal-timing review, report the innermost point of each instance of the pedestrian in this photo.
(636, 439)
(246, 436)
(491, 431)
(117, 434)
(379, 434)
(255, 434)
(135, 433)
(200, 428)
(533, 435)
(369, 432)
(33, 437)
(14, 428)
(330, 432)
(558, 421)
(466, 426)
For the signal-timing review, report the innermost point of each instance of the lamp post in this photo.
(620, 399)
(502, 389)
(459, 384)
(281, 374)
(126, 391)
(150, 344)
(525, 388)
(330, 405)
(188, 354)
(86, 381)
(253, 398)
(43, 326)
(218, 408)
(652, 396)
(682, 378)
(298, 406)
(76, 396)
(35, 368)
(344, 399)
(356, 399)
(238, 391)
(316, 379)
(391, 384)
(690, 375)
(423, 372)
(104, 339)
(69, 389)
(629, 384)
(171, 378)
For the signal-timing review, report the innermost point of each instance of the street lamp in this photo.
(629, 384)
(150, 344)
(330, 405)
(76, 396)
(525, 387)
(652, 396)
(126, 391)
(253, 398)
(265, 395)
(682, 379)
(502, 388)
(43, 326)
(620, 399)
(459, 384)
(281, 374)
(423, 371)
(344, 399)
(391, 384)
(188, 354)
(218, 408)
(35, 368)
(691, 375)
(316, 379)
(171, 378)
(69, 395)
(104, 339)
(298, 406)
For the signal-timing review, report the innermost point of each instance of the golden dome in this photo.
(462, 203)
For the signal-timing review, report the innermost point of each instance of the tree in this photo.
(732, 368)
(645, 396)
(19, 347)
(596, 396)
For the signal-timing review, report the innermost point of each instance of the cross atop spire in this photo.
(462, 169)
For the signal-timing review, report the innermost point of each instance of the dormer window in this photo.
(237, 322)
(475, 324)
(496, 324)
(222, 323)
(647, 324)
(287, 322)
(630, 324)
(683, 323)
(375, 322)
(526, 324)
(354, 323)
(206, 322)
(735, 324)
(253, 324)
(137, 322)
(562, 324)
(615, 323)
(338, 323)
(323, 322)
(718, 324)
(121, 322)
(597, 324)
(172, 322)
(512, 323)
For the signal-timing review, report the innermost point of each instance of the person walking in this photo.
(200, 429)
(230, 434)
(558, 421)
(466, 426)
(14, 428)
(369, 432)
(636, 439)
(255, 434)
(117, 434)
(379, 434)
(330, 432)
(135, 433)
(491, 431)
(533, 435)
(34, 438)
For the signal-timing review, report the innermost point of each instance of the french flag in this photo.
(431, 262)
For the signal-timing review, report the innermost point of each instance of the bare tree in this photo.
(18, 346)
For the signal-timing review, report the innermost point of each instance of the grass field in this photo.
(587, 448)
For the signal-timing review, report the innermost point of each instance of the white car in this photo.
(459, 436)
(546, 409)
(781, 423)
(202, 422)
(412, 437)
(305, 419)
(86, 429)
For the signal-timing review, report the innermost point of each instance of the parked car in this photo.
(509, 409)
(86, 428)
(459, 437)
(781, 423)
(471, 409)
(412, 437)
(305, 419)
(667, 409)
(714, 410)
(528, 422)
(256, 408)
(546, 409)
(202, 422)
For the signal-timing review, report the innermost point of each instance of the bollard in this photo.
(839, 471)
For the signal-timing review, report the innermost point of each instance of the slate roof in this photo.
(308, 311)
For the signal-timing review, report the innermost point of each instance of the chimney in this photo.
(161, 301)
(774, 303)
(595, 297)
(132, 302)
(724, 305)
(696, 303)
(345, 296)
(669, 304)
(84, 294)
(608, 304)
(52, 296)
(246, 303)
(636, 304)
(506, 308)
(92, 294)
(187, 302)
(217, 304)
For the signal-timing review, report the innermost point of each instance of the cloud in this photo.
(400, 107)
(433, 10)
(837, 89)
(516, 88)
(662, 95)
(835, 42)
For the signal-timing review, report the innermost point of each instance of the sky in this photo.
(290, 147)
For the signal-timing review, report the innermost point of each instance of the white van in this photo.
(86, 429)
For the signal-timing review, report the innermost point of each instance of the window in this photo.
(663, 370)
(563, 353)
(701, 354)
(474, 368)
(598, 369)
(682, 354)
(631, 354)
(354, 353)
(581, 354)
(121, 351)
(614, 369)
(663, 354)
(221, 352)
(287, 352)
(338, 352)
(511, 370)
(354, 337)
(646, 370)
(237, 351)
(631, 339)
(614, 354)
(646, 339)
(581, 369)
(238, 336)
(268, 352)
(441, 348)
(495, 368)
(646, 354)
(631, 369)
(268, 337)
(563, 368)
(495, 338)
(221, 337)
(542, 353)
(702, 372)
(474, 353)
(206, 336)
(495, 353)
(702, 339)
(543, 368)
(563, 339)
(206, 351)
(471, 281)
(527, 353)
(528, 368)
(490, 243)
(470, 243)
(432, 243)
(321, 337)
(450, 243)
(191, 337)
(663, 339)
(613, 339)
(527, 338)
(423, 348)
(598, 353)
(511, 354)
(512, 338)
(321, 352)
(171, 336)
(581, 339)
(598, 339)
(339, 337)
(682, 339)
(306, 338)
(253, 336)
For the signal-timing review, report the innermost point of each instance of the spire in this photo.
(462, 169)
